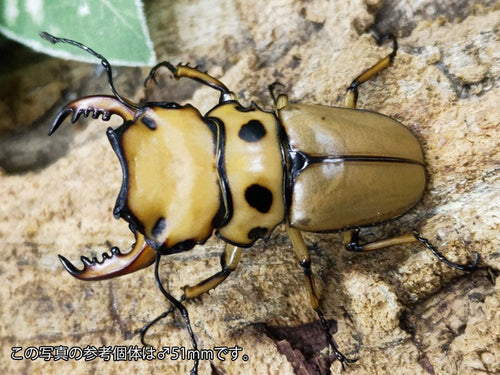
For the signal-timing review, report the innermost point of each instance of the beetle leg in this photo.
(229, 261)
(193, 73)
(351, 242)
(351, 96)
(305, 263)
(280, 101)
(176, 304)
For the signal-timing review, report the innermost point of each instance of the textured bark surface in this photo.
(398, 310)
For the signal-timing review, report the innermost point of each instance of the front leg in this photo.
(351, 242)
(195, 74)
(229, 261)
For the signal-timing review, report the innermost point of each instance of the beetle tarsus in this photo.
(326, 328)
(145, 329)
(462, 267)
(177, 304)
(353, 246)
(352, 91)
(381, 38)
(353, 241)
(152, 74)
(272, 88)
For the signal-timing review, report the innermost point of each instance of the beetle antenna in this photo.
(105, 63)
(177, 304)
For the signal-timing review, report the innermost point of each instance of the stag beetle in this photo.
(241, 171)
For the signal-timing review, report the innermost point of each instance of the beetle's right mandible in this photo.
(141, 255)
(98, 105)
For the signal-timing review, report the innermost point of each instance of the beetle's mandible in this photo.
(240, 171)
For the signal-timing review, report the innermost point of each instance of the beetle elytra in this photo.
(240, 171)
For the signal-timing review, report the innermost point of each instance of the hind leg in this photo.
(351, 242)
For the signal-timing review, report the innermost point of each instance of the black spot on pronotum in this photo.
(259, 198)
(159, 227)
(150, 123)
(252, 131)
(256, 233)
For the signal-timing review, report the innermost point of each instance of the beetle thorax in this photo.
(253, 171)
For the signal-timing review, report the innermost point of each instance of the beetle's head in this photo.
(171, 191)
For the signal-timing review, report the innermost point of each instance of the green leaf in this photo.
(115, 28)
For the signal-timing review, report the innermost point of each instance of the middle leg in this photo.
(229, 261)
(305, 262)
